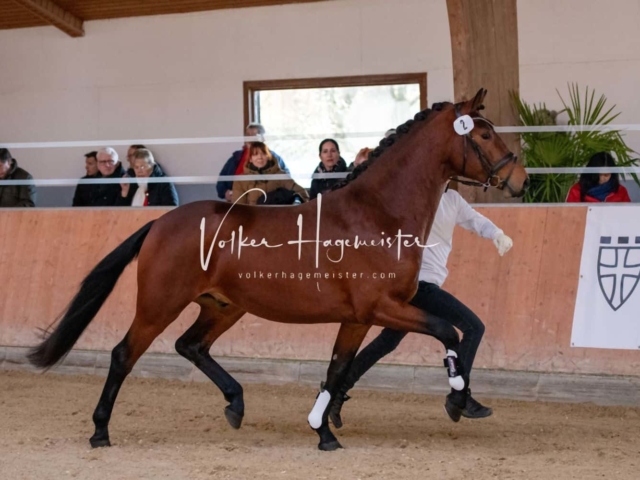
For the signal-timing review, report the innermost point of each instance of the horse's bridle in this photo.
(490, 169)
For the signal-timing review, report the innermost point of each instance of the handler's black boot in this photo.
(458, 404)
(474, 409)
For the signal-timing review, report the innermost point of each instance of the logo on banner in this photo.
(618, 269)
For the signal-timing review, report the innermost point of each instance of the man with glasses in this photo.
(109, 166)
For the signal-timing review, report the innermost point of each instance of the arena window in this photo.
(313, 107)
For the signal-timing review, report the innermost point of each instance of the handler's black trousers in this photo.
(435, 301)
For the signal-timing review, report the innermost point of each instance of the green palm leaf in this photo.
(568, 149)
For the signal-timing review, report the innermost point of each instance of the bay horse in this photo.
(378, 221)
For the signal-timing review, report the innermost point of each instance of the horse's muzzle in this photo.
(506, 186)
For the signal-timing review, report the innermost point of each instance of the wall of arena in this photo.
(526, 298)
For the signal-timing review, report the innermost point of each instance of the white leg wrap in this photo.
(457, 382)
(315, 417)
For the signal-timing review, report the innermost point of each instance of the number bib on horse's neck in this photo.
(463, 125)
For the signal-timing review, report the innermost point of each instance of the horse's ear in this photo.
(476, 104)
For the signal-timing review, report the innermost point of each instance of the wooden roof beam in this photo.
(55, 15)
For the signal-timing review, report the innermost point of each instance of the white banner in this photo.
(607, 312)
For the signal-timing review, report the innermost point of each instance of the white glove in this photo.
(503, 244)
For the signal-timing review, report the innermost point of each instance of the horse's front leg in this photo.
(349, 339)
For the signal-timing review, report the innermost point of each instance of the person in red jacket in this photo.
(599, 187)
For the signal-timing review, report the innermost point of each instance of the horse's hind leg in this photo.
(214, 319)
(349, 339)
(147, 325)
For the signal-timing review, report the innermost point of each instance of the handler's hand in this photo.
(124, 187)
(503, 244)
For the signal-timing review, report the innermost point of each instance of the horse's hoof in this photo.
(453, 411)
(101, 442)
(234, 419)
(330, 446)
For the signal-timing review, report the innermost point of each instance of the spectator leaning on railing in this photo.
(14, 195)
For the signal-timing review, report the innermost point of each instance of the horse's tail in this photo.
(94, 290)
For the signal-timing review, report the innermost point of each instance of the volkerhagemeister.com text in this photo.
(260, 275)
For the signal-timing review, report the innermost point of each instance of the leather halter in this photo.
(493, 180)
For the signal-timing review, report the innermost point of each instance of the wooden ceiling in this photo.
(68, 15)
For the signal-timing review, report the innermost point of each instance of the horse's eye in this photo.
(486, 135)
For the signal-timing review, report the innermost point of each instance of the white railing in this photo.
(210, 179)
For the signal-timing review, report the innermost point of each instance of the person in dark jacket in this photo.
(142, 193)
(235, 165)
(82, 196)
(330, 162)
(14, 195)
(109, 166)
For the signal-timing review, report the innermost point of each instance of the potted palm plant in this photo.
(567, 149)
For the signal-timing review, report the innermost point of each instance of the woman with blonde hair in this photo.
(279, 192)
(142, 193)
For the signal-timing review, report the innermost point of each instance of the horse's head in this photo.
(479, 153)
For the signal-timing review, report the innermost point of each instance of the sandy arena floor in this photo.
(170, 429)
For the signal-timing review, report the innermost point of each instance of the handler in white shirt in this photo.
(453, 210)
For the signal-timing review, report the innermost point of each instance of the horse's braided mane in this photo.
(385, 143)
